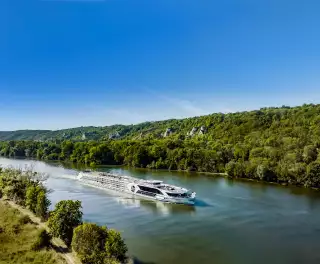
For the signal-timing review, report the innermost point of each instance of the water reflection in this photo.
(156, 207)
(137, 261)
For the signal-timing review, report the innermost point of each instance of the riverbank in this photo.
(79, 166)
(267, 163)
(82, 166)
(17, 238)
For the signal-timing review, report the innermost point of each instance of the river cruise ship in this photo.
(148, 189)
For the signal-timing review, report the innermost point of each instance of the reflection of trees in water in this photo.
(137, 261)
(312, 196)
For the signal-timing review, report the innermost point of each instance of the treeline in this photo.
(92, 243)
(273, 144)
(231, 128)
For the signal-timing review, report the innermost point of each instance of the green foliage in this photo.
(89, 243)
(42, 241)
(42, 204)
(18, 185)
(270, 144)
(98, 245)
(31, 198)
(64, 218)
(115, 246)
(25, 189)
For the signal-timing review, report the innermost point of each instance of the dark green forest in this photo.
(279, 145)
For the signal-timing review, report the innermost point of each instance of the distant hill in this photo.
(154, 129)
(213, 124)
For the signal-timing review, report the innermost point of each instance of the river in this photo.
(233, 222)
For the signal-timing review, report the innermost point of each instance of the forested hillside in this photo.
(271, 144)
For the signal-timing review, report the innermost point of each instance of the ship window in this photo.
(183, 195)
(146, 193)
(148, 189)
(174, 194)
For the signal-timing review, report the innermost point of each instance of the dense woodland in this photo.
(271, 144)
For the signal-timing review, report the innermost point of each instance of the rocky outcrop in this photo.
(202, 130)
(192, 132)
(168, 132)
(114, 135)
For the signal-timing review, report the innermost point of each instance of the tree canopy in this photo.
(66, 216)
(271, 144)
(97, 244)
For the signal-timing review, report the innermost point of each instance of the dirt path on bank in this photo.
(57, 243)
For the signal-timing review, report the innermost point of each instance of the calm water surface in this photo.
(232, 222)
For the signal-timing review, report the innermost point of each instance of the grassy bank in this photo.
(27, 226)
(17, 236)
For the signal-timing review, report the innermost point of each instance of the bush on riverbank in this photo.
(66, 216)
(99, 245)
(24, 188)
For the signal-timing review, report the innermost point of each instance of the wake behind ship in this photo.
(148, 189)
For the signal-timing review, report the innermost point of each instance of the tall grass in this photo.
(17, 237)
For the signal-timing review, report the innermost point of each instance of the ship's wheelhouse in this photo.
(148, 190)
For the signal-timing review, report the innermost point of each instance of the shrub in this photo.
(31, 198)
(64, 218)
(98, 245)
(42, 241)
(88, 242)
(25, 219)
(42, 205)
(115, 246)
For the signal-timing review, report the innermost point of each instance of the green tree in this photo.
(115, 246)
(42, 204)
(89, 243)
(313, 175)
(64, 218)
(31, 198)
(309, 153)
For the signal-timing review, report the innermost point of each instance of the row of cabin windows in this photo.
(182, 195)
(146, 193)
(148, 189)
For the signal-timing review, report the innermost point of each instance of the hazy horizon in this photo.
(67, 64)
(128, 124)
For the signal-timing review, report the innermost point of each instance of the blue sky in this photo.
(71, 63)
